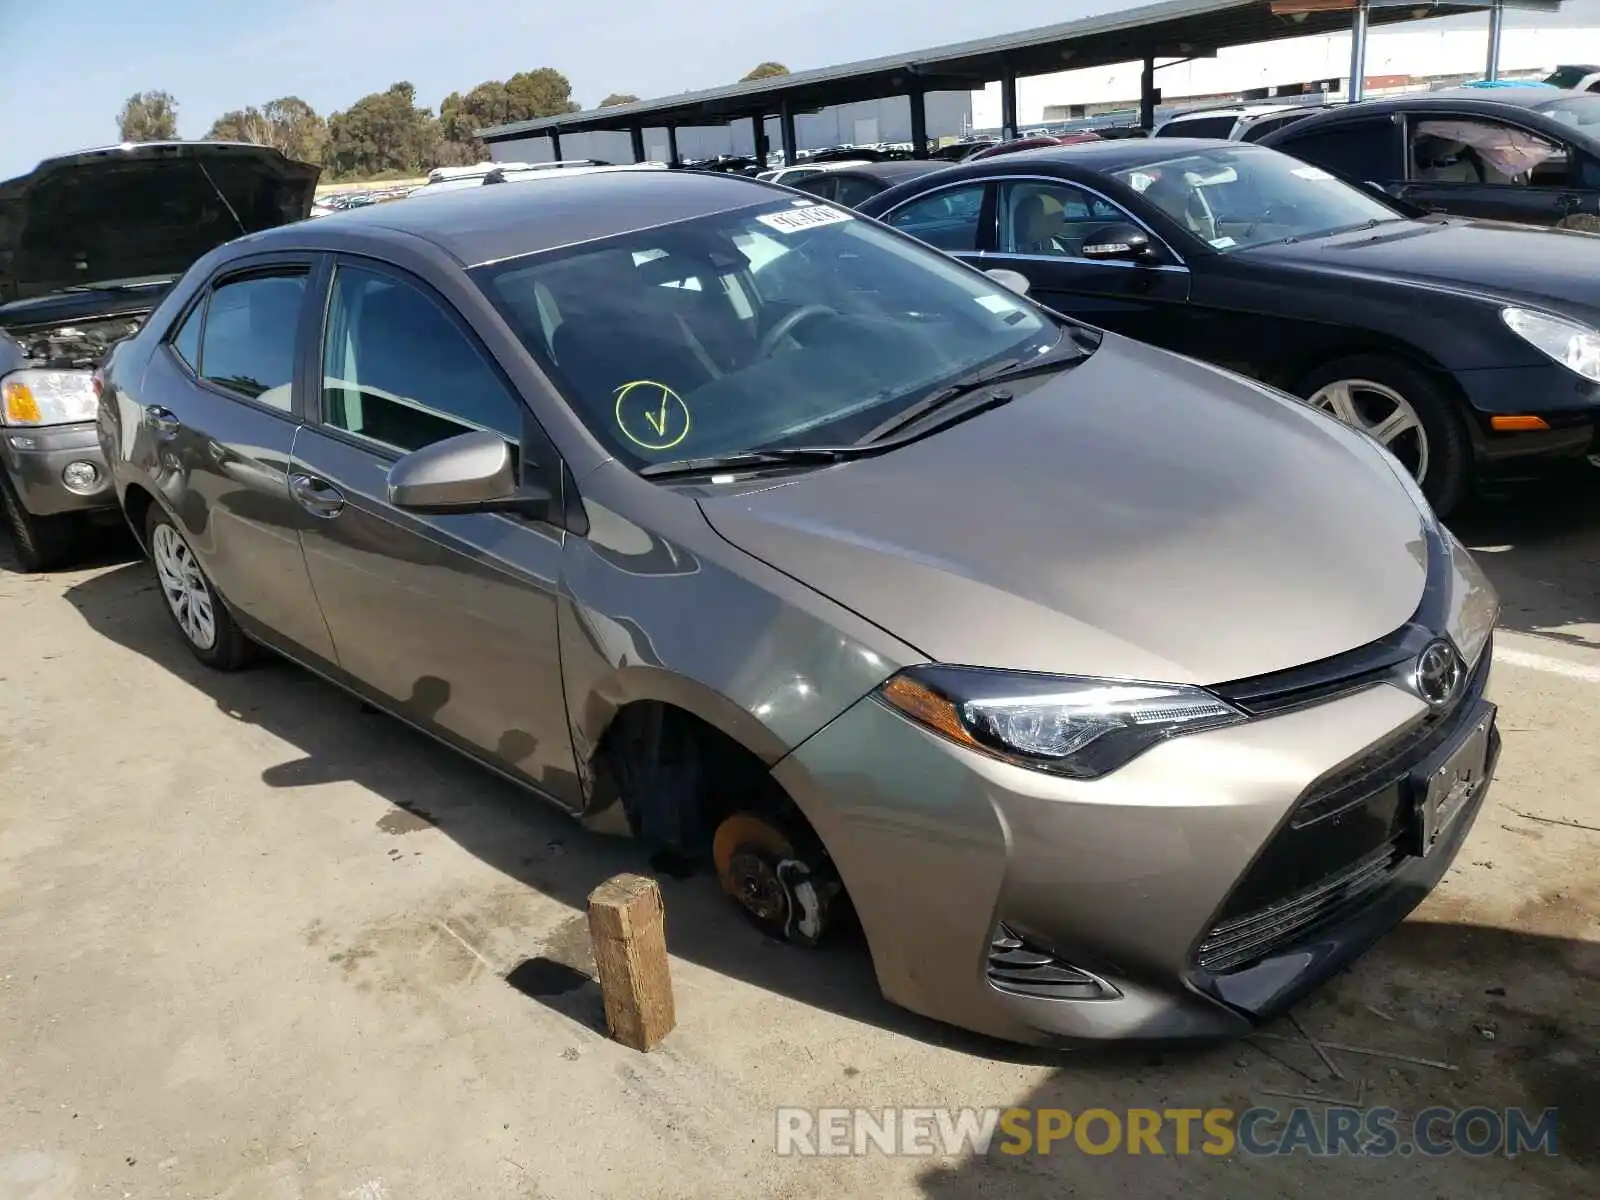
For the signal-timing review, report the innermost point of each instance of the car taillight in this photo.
(97, 381)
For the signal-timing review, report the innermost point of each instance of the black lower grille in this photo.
(1249, 937)
(1016, 965)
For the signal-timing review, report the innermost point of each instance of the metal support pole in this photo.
(636, 136)
(672, 146)
(1008, 105)
(758, 132)
(1358, 53)
(555, 146)
(919, 123)
(786, 132)
(1147, 95)
(1496, 18)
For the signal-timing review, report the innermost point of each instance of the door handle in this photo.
(1568, 203)
(163, 421)
(317, 496)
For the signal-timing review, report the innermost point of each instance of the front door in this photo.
(450, 620)
(1480, 167)
(1041, 228)
(220, 403)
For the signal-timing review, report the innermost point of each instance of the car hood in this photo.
(1140, 516)
(138, 212)
(1550, 268)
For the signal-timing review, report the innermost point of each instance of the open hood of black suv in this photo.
(141, 211)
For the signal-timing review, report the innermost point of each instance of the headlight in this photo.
(1067, 725)
(1573, 345)
(35, 397)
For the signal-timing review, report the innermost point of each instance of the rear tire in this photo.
(41, 543)
(205, 623)
(1415, 418)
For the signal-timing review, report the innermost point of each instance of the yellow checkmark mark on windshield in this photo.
(658, 420)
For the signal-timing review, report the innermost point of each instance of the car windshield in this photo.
(1579, 111)
(789, 323)
(1236, 197)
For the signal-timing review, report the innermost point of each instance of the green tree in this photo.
(149, 117)
(289, 124)
(383, 132)
(539, 93)
(765, 70)
(617, 98)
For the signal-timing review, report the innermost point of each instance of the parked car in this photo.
(852, 185)
(89, 243)
(717, 514)
(1033, 142)
(956, 151)
(1529, 155)
(791, 176)
(1578, 77)
(1465, 347)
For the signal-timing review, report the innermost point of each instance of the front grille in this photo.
(1016, 965)
(1391, 759)
(1256, 934)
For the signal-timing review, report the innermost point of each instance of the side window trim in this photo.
(1177, 262)
(316, 358)
(200, 301)
(265, 266)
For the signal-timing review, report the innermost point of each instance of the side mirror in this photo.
(1118, 243)
(471, 472)
(1014, 280)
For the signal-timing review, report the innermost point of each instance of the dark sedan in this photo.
(1462, 346)
(854, 185)
(1527, 154)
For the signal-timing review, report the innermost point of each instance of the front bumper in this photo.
(1568, 403)
(34, 459)
(956, 861)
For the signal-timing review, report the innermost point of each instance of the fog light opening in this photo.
(81, 477)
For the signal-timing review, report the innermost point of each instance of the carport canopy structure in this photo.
(1174, 30)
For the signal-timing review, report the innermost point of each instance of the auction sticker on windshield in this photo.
(794, 220)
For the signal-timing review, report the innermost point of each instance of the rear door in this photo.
(1367, 150)
(221, 404)
(1041, 226)
(449, 620)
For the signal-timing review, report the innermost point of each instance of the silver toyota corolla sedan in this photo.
(1113, 695)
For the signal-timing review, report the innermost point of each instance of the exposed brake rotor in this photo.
(788, 893)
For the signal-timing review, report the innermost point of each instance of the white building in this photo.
(1531, 43)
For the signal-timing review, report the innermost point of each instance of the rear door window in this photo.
(947, 219)
(1358, 150)
(851, 191)
(248, 343)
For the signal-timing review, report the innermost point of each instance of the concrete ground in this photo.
(258, 942)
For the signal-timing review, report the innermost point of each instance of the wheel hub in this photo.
(1381, 412)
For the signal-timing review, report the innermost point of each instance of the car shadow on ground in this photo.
(339, 738)
(1539, 541)
(1451, 1015)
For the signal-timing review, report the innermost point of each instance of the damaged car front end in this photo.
(89, 244)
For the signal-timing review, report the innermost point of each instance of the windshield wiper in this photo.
(760, 457)
(1011, 368)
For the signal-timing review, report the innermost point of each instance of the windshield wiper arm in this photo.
(760, 457)
(1011, 368)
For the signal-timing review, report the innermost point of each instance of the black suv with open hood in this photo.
(89, 244)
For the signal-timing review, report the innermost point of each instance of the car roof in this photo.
(1481, 99)
(485, 224)
(895, 170)
(1114, 154)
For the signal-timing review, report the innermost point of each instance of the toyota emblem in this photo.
(1437, 675)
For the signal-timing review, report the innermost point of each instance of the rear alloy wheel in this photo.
(41, 543)
(192, 602)
(1405, 412)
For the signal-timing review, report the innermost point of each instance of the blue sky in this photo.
(215, 55)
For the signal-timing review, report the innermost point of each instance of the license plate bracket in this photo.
(1445, 786)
